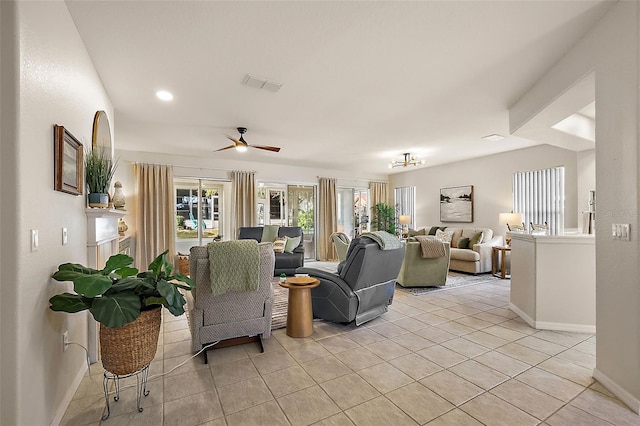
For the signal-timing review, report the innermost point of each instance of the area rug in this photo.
(279, 311)
(454, 280)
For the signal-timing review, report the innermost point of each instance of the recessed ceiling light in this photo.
(163, 95)
(493, 137)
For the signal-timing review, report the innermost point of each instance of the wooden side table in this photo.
(299, 308)
(499, 261)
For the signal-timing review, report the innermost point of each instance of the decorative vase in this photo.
(97, 199)
(128, 349)
(118, 196)
(122, 227)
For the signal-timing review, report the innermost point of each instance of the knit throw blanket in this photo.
(430, 247)
(234, 266)
(385, 240)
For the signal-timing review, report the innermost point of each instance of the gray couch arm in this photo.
(325, 276)
(484, 250)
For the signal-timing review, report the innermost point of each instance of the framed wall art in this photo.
(68, 162)
(456, 204)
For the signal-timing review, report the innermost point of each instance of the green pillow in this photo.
(291, 243)
(434, 229)
(463, 243)
(475, 239)
(414, 232)
(269, 233)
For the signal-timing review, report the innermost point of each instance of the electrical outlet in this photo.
(65, 340)
(34, 240)
(64, 236)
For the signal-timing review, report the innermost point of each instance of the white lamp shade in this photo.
(511, 218)
(404, 220)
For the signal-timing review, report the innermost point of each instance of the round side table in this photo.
(299, 308)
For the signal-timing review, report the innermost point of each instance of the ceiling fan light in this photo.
(241, 148)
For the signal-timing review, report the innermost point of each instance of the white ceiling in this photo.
(363, 82)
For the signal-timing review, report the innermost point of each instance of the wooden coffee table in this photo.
(299, 309)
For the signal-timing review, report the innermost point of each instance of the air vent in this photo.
(260, 83)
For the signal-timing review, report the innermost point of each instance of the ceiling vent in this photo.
(259, 83)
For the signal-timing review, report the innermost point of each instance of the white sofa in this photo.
(474, 260)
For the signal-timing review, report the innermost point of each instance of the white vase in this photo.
(118, 197)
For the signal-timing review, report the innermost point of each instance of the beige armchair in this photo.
(341, 241)
(230, 315)
(419, 272)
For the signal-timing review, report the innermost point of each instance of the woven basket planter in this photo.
(127, 349)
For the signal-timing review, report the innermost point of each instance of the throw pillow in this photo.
(291, 243)
(463, 243)
(434, 229)
(444, 236)
(269, 233)
(414, 232)
(475, 239)
(279, 245)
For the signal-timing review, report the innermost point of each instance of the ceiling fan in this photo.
(242, 145)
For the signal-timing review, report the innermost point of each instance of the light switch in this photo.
(64, 236)
(34, 240)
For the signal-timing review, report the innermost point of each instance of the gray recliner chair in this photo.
(363, 287)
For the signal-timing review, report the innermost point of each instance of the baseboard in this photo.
(522, 315)
(624, 396)
(557, 326)
(68, 396)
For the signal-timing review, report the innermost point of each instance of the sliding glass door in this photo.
(199, 215)
(301, 213)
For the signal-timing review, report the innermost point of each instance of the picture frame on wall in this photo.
(456, 204)
(68, 162)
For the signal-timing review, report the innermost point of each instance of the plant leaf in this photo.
(168, 291)
(129, 283)
(149, 301)
(92, 285)
(125, 272)
(185, 279)
(77, 267)
(156, 265)
(116, 310)
(168, 267)
(117, 261)
(67, 302)
(68, 275)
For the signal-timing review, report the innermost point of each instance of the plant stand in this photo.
(141, 375)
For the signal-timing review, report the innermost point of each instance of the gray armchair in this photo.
(363, 287)
(230, 315)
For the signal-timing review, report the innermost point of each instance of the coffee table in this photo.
(299, 309)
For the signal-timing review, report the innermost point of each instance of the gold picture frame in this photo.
(68, 162)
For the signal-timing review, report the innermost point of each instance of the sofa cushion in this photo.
(463, 243)
(475, 239)
(279, 244)
(414, 232)
(434, 229)
(444, 236)
(466, 255)
(269, 233)
(291, 243)
(251, 233)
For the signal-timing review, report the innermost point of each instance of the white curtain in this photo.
(155, 213)
(539, 196)
(245, 206)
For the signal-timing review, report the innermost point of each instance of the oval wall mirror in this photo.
(102, 132)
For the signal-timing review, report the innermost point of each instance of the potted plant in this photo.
(127, 305)
(384, 218)
(99, 168)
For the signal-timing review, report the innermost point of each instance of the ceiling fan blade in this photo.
(236, 141)
(226, 147)
(266, 148)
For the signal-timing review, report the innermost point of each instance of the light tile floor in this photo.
(453, 357)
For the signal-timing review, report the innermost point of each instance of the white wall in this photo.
(58, 85)
(611, 48)
(491, 177)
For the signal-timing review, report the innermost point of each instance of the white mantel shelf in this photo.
(94, 212)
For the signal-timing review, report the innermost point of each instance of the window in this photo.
(198, 212)
(353, 211)
(405, 198)
(539, 196)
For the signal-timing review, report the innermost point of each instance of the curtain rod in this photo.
(191, 167)
(353, 180)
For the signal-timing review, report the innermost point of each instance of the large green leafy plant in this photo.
(384, 218)
(116, 294)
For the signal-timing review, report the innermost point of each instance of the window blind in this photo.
(405, 202)
(539, 196)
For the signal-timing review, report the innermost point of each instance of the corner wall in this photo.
(56, 83)
(491, 177)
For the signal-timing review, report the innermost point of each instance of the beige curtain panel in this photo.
(155, 213)
(378, 193)
(327, 218)
(244, 200)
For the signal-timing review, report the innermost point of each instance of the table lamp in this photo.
(404, 221)
(509, 218)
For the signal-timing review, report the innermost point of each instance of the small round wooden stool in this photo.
(299, 309)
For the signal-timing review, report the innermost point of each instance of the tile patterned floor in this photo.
(454, 357)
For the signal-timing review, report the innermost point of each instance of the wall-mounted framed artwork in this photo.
(456, 204)
(68, 162)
